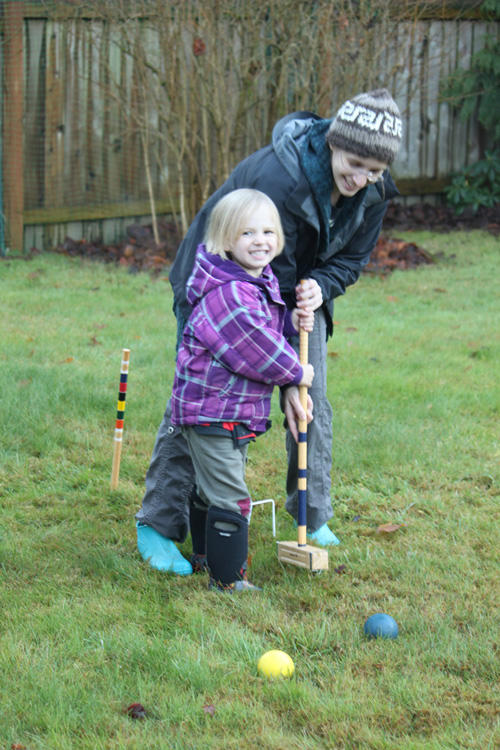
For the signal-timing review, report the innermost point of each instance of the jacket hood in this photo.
(288, 136)
(211, 271)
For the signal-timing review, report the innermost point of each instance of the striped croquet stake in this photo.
(302, 447)
(117, 443)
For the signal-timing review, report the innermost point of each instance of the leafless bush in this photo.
(202, 83)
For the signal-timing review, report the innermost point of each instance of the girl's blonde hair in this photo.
(229, 216)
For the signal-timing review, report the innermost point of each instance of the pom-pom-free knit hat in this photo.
(368, 125)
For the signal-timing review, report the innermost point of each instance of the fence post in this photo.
(13, 110)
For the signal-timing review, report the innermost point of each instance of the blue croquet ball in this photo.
(381, 626)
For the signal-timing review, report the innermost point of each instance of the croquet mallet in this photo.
(300, 553)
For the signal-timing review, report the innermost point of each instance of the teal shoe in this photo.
(161, 553)
(323, 536)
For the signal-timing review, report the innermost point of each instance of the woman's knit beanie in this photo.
(368, 125)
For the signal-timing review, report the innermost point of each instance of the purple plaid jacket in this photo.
(233, 350)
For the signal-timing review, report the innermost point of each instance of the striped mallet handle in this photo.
(117, 443)
(302, 448)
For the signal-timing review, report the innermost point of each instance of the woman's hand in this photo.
(309, 294)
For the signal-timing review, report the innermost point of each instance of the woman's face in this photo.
(351, 172)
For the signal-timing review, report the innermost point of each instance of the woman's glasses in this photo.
(357, 168)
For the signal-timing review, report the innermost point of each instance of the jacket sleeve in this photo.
(235, 328)
(338, 271)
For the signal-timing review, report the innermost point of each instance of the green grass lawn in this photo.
(87, 628)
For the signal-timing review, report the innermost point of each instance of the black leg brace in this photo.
(227, 544)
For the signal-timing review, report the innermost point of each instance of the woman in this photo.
(330, 183)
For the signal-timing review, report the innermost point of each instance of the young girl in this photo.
(233, 352)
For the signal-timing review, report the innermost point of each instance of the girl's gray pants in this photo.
(170, 477)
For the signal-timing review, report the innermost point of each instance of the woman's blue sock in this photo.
(324, 536)
(161, 553)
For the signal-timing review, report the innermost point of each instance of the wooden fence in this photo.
(73, 162)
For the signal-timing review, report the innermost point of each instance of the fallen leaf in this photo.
(94, 342)
(136, 711)
(209, 709)
(351, 329)
(389, 528)
(333, 354)
(391, 298)
(17, 746)
(66, 361)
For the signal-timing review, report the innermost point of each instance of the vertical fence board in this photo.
(130, 126)
(114, 145)
(431, 95)
(34, 105)
(12, 147)
(75, 111)
(444, 137)
(92, 104)
(402, 93)
(54, 118)
(414, 105)
(461, 130)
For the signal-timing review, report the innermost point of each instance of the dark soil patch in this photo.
(440, 218)
(139, 251)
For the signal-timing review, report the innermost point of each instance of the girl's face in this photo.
(351, 173)
(257, 242)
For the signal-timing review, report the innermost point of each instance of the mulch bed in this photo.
(139, 252)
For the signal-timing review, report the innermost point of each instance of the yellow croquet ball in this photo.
(275, 664)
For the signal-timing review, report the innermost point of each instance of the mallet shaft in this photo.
(302, 447)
